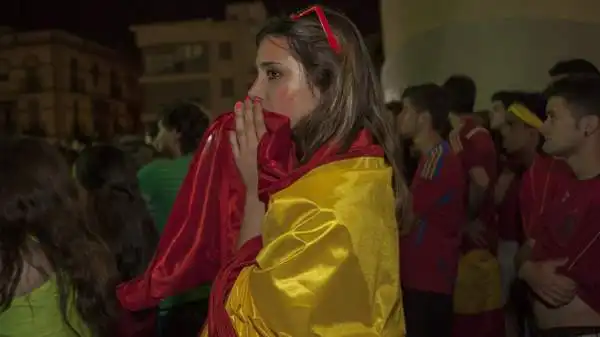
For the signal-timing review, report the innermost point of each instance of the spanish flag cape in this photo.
(200, 236)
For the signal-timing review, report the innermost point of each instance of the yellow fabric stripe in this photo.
(524, 114)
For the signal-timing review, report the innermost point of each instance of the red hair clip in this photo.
(333, 42)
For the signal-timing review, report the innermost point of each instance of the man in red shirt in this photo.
(521, 141)
(562, 270)
(478, 293)
(430, 251)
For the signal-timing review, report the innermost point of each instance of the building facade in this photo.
(204, 60)
(503, 45)
(57, 85)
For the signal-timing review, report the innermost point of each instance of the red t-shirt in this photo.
(509, 215)
(475, 148)
(571, 229)
(429, 254)
(546, 178)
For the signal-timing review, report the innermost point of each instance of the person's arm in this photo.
(254, 212)
(329, 261)
(304, 276)
(523, 254)
(481, 158)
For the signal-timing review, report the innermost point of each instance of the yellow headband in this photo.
(524, 114)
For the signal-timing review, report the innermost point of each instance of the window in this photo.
(74, 74)
(35, 126)
(168, 59)
(225, 51)
(4, 70)
(95, 72)
(7, 122)
(30, 61)
(115, 86)
(32, 80)
(77, 131)
(227, 87)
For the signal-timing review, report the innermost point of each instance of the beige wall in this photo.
(49, 54)
(507, 44)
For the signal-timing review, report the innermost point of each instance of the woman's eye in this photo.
(273, 75)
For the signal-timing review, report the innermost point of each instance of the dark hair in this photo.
(573, 67)
(108, 175)
(190, 120)
(70, 155)
(394, 106)
(484, 115)
(433, 99)
(351, 97)
(581, 92)
(40, 200)
(508, 97)
(462, 92)
(536, 103)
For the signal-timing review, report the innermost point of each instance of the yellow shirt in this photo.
(330, 261)
(38, 314)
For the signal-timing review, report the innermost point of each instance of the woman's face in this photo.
(281, 83)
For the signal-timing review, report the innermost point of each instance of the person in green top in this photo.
(180, 130)
(57, 279)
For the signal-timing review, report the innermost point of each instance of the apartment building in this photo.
(57, 85)
(205, 60)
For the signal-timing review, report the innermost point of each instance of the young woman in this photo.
(56, 278)
(328, 240)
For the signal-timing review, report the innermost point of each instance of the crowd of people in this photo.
(315, 208)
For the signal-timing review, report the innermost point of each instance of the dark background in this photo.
(107, 21)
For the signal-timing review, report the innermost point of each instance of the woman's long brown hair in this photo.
(351, 98)
(39, 200)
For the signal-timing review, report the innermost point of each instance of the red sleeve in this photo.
(509, 222)
(583, 261)
(525, 201)
(481, 152)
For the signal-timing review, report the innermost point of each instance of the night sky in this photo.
(107, 21)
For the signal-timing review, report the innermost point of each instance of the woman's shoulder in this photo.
(38, 311)
(341, 179)
(348, 190)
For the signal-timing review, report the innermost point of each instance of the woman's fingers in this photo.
(235, 146)
(239, 119)
(249, 129)
(249, 124)
(259, 121)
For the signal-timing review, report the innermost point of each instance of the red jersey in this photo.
(429, 254)
(545, 179)
(475, 148)
(572, 230)
(510, 227)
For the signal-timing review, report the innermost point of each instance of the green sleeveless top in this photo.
(38, 314)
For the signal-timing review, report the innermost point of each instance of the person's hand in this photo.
(475, 230)
(502, 185)
(554, 289)
(249, 128)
